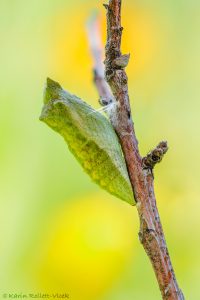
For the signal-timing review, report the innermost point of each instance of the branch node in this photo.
(103, 101)
(121, 62)
(155, 156)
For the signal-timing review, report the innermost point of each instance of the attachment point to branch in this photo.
(155, 156)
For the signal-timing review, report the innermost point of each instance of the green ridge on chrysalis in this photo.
(90, 137)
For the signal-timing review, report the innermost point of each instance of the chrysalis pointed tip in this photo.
(52, 89)
(50, 83)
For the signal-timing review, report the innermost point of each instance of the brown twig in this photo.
(140, 169)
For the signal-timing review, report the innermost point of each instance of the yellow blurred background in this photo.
(59, 232)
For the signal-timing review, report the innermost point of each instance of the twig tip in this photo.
(155, 156)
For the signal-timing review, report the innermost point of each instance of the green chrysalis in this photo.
(90, 137)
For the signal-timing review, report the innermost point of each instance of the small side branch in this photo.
(155, 156)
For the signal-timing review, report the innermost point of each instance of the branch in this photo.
(140, 169)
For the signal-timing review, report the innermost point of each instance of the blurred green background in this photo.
(59, 232)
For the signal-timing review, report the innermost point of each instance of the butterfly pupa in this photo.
(90, 137)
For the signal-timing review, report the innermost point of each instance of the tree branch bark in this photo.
(140, 169)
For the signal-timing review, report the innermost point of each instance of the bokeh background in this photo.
(59, 232)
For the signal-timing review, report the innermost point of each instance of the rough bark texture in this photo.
(140, 169)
